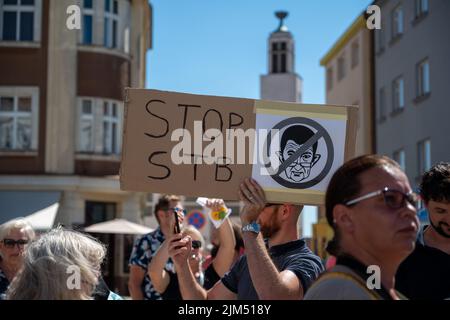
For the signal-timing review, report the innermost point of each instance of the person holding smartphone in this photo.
(140, 285)
(165, 281)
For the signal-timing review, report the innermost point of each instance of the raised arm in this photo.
(225, 255)
(179, 250)
(158, 275)
(269, 283)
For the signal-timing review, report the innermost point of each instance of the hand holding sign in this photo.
(251, 193)
(216, 210)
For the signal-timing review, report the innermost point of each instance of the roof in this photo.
(357, 25)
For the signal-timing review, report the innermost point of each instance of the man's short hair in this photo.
(298, 133)
(164, 203)
(436, 183)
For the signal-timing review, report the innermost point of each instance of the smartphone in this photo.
(177, 224)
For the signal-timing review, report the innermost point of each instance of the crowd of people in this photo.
(379, 247)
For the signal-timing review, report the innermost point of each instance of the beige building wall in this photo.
(355, 86)
(61, 91)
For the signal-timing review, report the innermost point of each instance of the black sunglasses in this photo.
(11, 243)
(196, 244)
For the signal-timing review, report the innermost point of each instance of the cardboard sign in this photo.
(197, 145)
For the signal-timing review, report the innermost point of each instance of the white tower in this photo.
(281, 83)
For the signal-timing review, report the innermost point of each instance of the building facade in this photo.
(61, 111)
(412, 72)
(349, 79)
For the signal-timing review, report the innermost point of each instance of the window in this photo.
(397, 22)
(421, 7)
(18, 119)
(274, 62)
(423, 78)
(17, 20)
(283, 62)
(399, 156)
(424, 156)
(96, 212)
(110, 128)
(382, 104)
(341, 67)
(398, 102)
(279, 57)
(87, 126)
(329, 78)
(355, 54)
(99, 126)
(111, 21)
(88, 14)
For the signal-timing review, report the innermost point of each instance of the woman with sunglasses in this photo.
(165, 281)
(14, 236)
(372, 210)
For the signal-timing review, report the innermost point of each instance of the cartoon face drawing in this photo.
(291, 141)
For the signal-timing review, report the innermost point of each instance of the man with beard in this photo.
(280, 266)
(425, 273)
(292, 140)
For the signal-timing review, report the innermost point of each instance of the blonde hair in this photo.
(49, 265)
(191, 230)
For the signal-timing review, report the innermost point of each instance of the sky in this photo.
(219, 47)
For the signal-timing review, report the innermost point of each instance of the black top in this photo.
(294, 256)
(173, 289)
(211, 277)
(4, 284)
(361, 270)
(425, 274)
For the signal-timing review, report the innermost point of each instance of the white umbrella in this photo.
(118, 226)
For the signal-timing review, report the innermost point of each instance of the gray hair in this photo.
(46, 272)
(19, 224)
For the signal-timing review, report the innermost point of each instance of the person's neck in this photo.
(435, 240)
(283, 236)
(9, 270)
(388, 267)
(165, 230)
